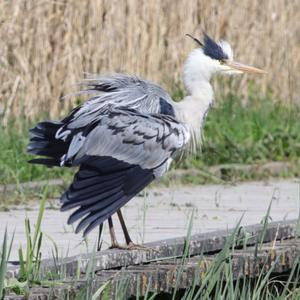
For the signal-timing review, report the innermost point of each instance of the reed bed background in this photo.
(47, 46)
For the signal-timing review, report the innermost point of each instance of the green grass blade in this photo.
(100, 291)
(22, 274)
(184, 256)
(29, 252)
(39, 219)
(262, 283)
(265, 222)
(3, 264)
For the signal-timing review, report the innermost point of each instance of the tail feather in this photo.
(81, 183)
(95, 207)
(96, 218)
(49, 162)
(90, 199)
(99, 193)
(43, 142)
(101, 186)
(91, 189)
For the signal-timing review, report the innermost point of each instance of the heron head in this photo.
(217, 57)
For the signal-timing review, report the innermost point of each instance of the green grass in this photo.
(14, 166)
(217, 282)
(30, 266)
(258, 132)
(4, 257)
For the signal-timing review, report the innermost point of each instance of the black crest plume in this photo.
(196, 40)
(210, 47)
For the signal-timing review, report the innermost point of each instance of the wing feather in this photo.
(123, 138)
(132, 137)
(119, 90)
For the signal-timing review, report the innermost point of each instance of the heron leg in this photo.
(124, 228)
(114, 242)
(130, 244)
(99, 242)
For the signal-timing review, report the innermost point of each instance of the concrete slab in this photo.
(165, 212)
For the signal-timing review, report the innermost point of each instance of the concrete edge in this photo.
(199, 244)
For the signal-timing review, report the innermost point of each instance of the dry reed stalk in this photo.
(50, 44)
(10, 101)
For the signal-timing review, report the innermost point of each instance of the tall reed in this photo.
(46, 46)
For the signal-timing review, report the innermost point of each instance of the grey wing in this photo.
(122, 139)
(119, 91)
(118, 156)
(149, 141)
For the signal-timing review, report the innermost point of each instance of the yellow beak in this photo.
(243, 68)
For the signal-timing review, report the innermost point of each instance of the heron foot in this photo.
(133, 246)
(117, 246)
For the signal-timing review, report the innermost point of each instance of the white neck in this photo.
(198, 70)
(193, 108)
(192, 111)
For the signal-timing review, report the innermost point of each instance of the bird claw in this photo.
(117, 246)
(132, 246)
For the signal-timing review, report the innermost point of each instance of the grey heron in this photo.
(127, 134)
